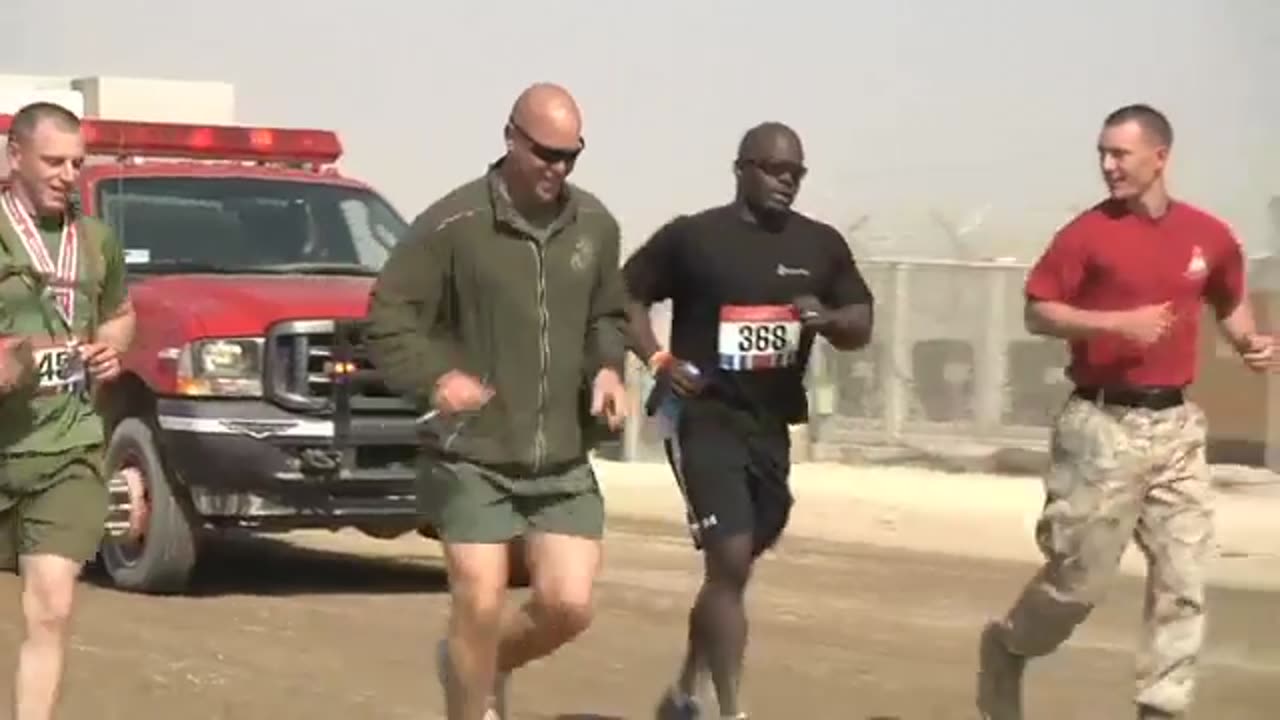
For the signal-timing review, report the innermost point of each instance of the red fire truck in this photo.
(247, 400)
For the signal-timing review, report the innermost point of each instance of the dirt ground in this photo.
(854, 617)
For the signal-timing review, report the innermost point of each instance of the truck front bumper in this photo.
(250, 463)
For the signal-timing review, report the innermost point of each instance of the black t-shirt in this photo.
(732, 283)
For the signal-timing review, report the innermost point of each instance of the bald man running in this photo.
(501, 316)
(751, 284)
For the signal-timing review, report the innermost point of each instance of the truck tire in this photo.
(162, 561)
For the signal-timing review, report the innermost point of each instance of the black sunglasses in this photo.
(777, 168)
(546, 153)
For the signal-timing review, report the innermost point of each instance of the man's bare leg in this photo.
(48, 593)
(717, 631)
(563, 570)
(478, 585)
(694, 668)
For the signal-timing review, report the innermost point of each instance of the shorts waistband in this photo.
(514, 471)
(1146, 398)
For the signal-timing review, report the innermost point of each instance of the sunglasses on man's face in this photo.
(551, 155)
(778, 168)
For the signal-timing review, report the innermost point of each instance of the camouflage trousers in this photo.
(1119, 473)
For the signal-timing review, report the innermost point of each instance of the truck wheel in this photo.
(158, 556)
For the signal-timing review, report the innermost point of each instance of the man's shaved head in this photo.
(544, 138)
(762, 138)
(549, 113)
(770, 166)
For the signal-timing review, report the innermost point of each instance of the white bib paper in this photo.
(758, 337)
(59, 368)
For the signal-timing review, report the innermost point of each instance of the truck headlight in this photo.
(223, 367)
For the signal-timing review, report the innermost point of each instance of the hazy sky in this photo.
(906, 108)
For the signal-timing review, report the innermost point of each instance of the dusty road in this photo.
(841, 630)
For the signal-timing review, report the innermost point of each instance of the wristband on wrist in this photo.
(659, 360)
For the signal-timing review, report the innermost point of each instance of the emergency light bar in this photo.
(214, 142)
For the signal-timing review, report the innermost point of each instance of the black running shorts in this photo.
(733, 472)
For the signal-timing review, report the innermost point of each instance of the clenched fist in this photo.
(101, 360)
(1145, 325)
(16, 362)
(458, 392)
(1258, 352)
(609, 398)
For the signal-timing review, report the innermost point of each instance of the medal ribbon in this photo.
(33, 243)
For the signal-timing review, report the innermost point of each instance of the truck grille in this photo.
(299, 357)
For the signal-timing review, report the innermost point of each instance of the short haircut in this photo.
(1152, 121)
(26, 120)
(755, 136)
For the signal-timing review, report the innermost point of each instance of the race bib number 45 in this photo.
(59, 368)
(758, 337)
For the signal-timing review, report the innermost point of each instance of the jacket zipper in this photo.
(544, 354)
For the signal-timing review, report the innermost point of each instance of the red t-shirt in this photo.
(1108, 258)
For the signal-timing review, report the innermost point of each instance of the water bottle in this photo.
(665, 403)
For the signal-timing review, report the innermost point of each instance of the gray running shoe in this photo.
(674, 707)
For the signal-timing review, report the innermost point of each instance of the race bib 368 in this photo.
(758, 337)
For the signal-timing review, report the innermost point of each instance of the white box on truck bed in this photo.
(125, 98)
(152, 100)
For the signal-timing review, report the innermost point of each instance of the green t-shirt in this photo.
(53, 410)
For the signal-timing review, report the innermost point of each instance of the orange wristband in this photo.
(659, 360)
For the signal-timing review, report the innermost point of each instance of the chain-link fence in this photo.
(951, 361)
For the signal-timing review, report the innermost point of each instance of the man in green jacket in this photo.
(66, 319)
(501, 316)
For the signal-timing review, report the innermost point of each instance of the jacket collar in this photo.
(504, 211)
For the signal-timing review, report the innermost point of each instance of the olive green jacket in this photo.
(534, 312)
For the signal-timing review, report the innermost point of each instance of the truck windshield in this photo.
(213, 224)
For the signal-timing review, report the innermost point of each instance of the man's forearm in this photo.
(410, 363)
(850, 327)
(407, 342)
(640, 336)
(1238, 325)
(118, 331)
(1064, 321)
(606, 345)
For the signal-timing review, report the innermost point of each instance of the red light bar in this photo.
(215, 142)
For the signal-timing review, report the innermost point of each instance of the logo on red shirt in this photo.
(1197, 267)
